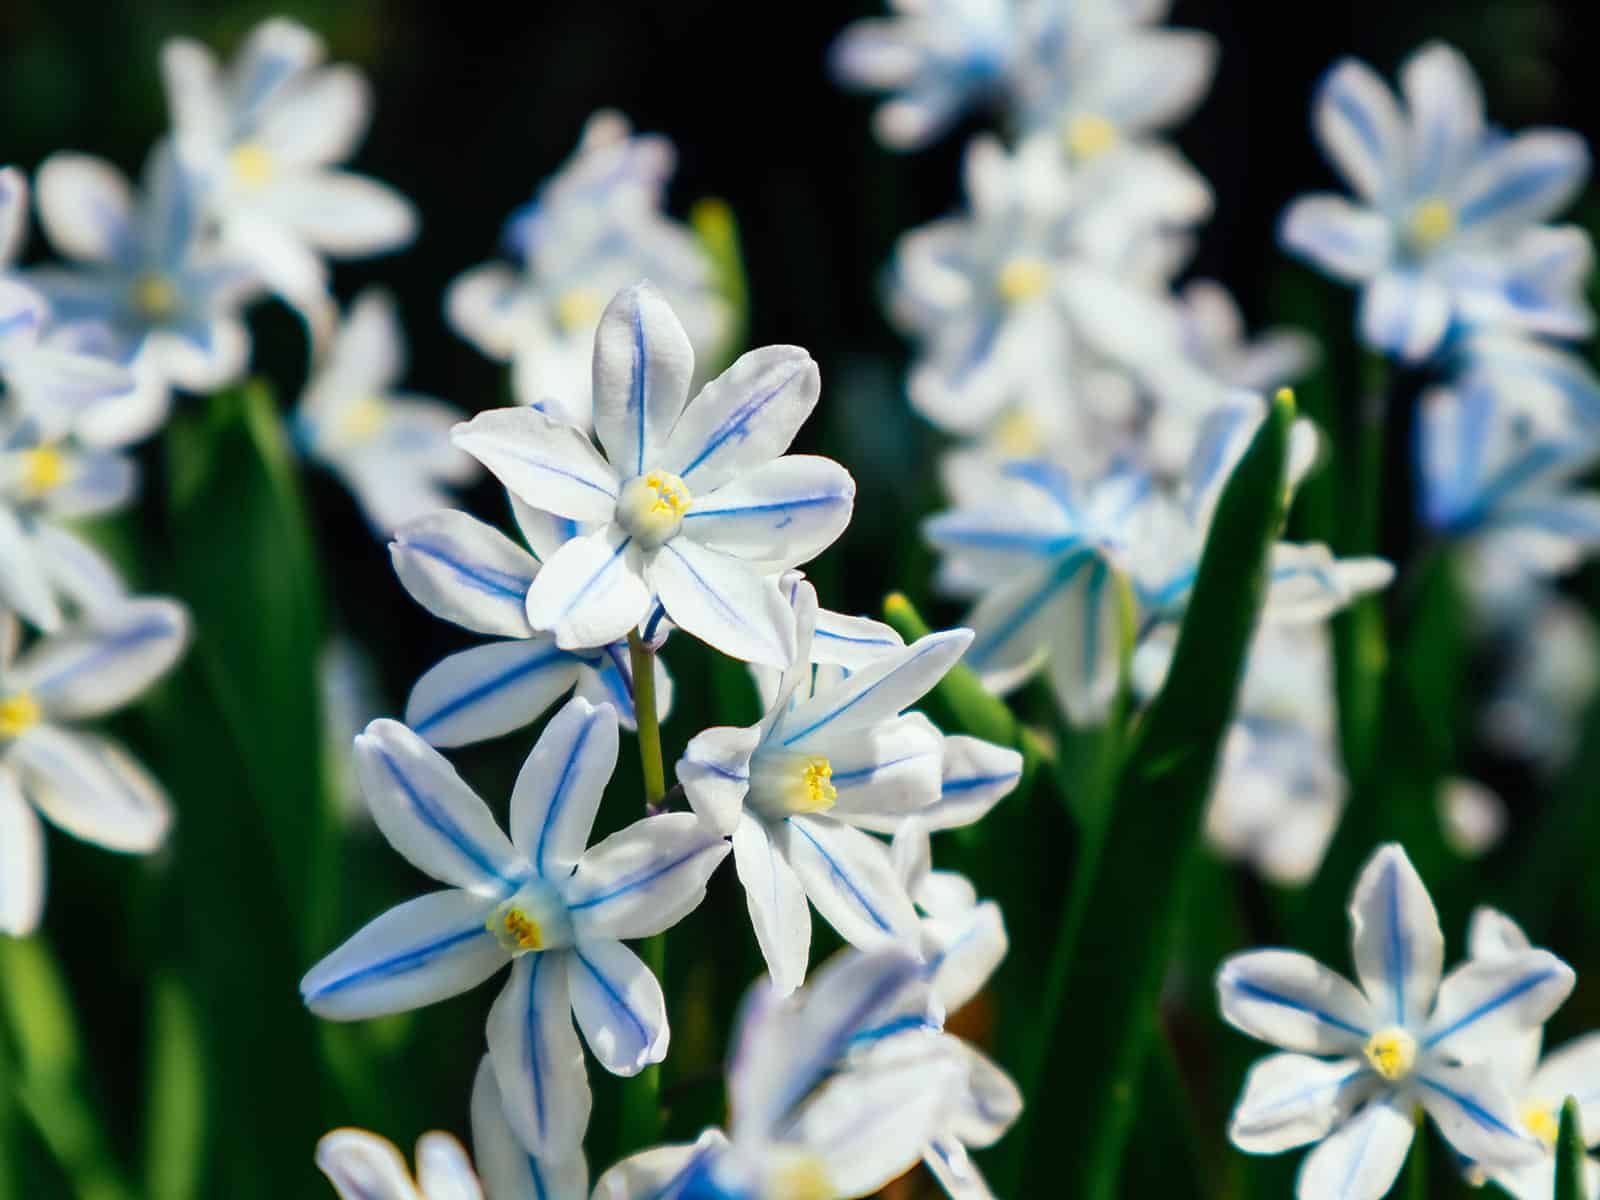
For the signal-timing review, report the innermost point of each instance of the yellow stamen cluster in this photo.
(1430, 223)
(1023, 278)
(518, 928)
(1017, 434)
(1392, 1053)
(578, 308)
(651, 507)
(1541, 1119)
(671, 496)
(362, 419)
(815, 792)
(43, 470)
(155, 296)
(805, 1178)
(251, 164)
(1089, 135)
(19, 712)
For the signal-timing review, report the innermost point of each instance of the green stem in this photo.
(643, 661)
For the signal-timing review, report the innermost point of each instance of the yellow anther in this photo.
(155, 296)
(1392, 1053)
(1430, 223)
(362, 419)
(516, 930)
(670, 494)
(252, 165)
(43, 470)
(19, 712)
(1541, 1119)
(1089, 135)
(579, 308)
(806, 1178)
(1016, 433)
(1023, 278)
(651, 507)
(815, 792)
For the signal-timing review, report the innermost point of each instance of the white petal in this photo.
(1361, 1160)
(1094, 619)
(975, 777)
(1291, 1100)
(1347, 241)
(1293, 1001)
(1360, 127)
(851, 880)
(22, 869)
(1446, 107)
(743, 418)
(642, 366)
(619, 1006)
(1397, 942)
(851, 642)
(1574, 1070)
(465, 571)
(779, 515)
(1474, 1113)
(1405, 314)
(506, 1168)
(538, 1063)
(663, 1171)
(644, 878)
(341, 213)
(443, 1170)
(430, 815)
(715, 774)
(1013, 622)
(97, 668)
(590, 593)
(964, 952)
(1486, 1002)
(1492, 934)
(779, 913)
(13, 215)
(364, 1166)
(548, 465)
(79, 571)
(24, 588)
(723, 601)
(85, 206)
(490, 690)
(992, 1103)
(85, 786)
(886, 772)
(882, 690)
(424, 950)
(559, 787)
(1528, 177)
(321, 121)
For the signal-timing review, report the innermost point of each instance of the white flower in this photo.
(1445, 227)
(801, 1126)
(592, 229)
(835, 755)
(1473, 817)
(1215, 338)
(1536, 709)
(539, 901)
(508, 1171)
(364, 1166)
(264, 137)
(693, 503)
(78, 781)
(391, 448)
(1404, 1039)
(940, 59)
(469, 573)
(1539, 1087)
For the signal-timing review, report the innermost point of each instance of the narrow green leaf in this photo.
(1571, 1157)
(1115, 942)
(175, 1106)
(718, 230)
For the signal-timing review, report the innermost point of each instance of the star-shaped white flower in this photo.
(538, 901)
(694, 504)
(1362, 1060)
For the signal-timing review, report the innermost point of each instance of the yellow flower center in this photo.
(652, 506)
(1430, 223)
(578, 308)
(43, 470)
(19, 713)
(251, 164)
(515, 930)
(1017, 434)
(362, 419)
(1542, 1119)
(805, 1178)
(814, 792)
(1089, 135)
(1023, 278)
(1392, 1053)
(155, 296)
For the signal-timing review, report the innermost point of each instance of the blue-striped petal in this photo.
(779, 515)
(559, 787)
(424, 950)
(883, 689)
(642, 366)
(1487, 1002)
(490, 690)
(102, 665)
(779, 913)
(1358, 122)
(643, 878)
(430, 815)
(1094, 622)
(976, 776)
(619, 1006)
(538, 1063)
(1406, 314)
(1479, 1119)
(504, 1165)
(1395, 934)
(664, 1173)
(850, 879)
(464, 571)
(546, 464)
(1293, 1001)
(1291, 1100)
(590, 593)
(727, 603)
(1527, 178)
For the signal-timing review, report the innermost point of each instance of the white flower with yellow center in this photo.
(391, 448)
(1446, 225)
(1362, 1061)
(692, 505)
(835, 756)
(77, 780)
(811, 1120)
(538, 901)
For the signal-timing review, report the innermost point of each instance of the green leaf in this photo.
(1571, 1157)
(718, 230)
(1115, 942)
(175, 1107)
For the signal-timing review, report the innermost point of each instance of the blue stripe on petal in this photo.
(439, 820)
(411, 960)
(1469, 1106)
(1512, 190)
(736, 425)
(478, 577)
(532, 1042)
(604, 567)
(1515, 991)
(716, 598)
(489, 687)
(618, 1004)
(844, 880)
(632, 883)
(833, 714)
(983, 648)
(559, 798)
(1395, 942)
(127, 639)
(640, 358)
(1256, 992)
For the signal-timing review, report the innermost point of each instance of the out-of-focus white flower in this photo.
(1361, 1061)
(391, 448)
(152, 291)
(693, 505)
(1216, 339)
(1473, 817)
(469, 573)
(78, 781)
(1446, 226)
(347, 685)
(538, 901)
(263, 138)
(834, 756)
(1552, 669)
(364, 1166)
(593, 228)
(939, 59)
(802, 1126)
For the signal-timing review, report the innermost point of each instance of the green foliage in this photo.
(1571, 1156)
